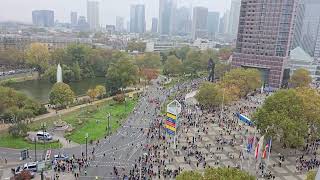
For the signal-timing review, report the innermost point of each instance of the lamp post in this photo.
(44, 137)
(87, 135)
(35, 149)
(108, 126)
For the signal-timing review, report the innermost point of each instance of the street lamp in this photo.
(87, 135)
(35, 149)
(108, 126)
(44, 137)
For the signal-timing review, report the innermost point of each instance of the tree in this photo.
(220, 69)
(136, 46)
(121, 75)
(61, 94)
(300, 78)
(311, 175)
(148, 60)
(189, 175)
(210, 95)
(282, 117)
(18, 130)
(23, 175)
(225, 53)
(246, 80)
(192, 64)
(149, 74)
(173, 66)
(216, 174)
(311, 103)
(38, 57)
(17, 106)
(101, 91)
(226, 173)
(92, 93)
(119, 98)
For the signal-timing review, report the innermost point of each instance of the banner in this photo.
(171, 123)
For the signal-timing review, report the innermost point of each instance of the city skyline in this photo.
(108, 10)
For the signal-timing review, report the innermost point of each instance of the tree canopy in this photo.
(61, 94)
(16, 106)
(216, 174)
(121, 75)
(38, 57)
(290, 115)
(173, 66)
(300, 78)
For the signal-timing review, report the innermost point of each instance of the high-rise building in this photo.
(137, 18)
(119, 24)
(93, 15)
(264, 37)
(166, 10)
(182, 22)
(43, 18)
(213, 24)
(234, 17)
(307, 26)
(154, 28)
(74, 18)
(199, 22)
(83, 24)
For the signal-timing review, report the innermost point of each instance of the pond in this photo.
(40, 89)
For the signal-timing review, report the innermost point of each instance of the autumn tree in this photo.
(220, 69)
(92, 93)
(225, 53)
(38, 57)
(173, 66)
(149, 74)
(300, 78)
(61, 94)
(101, 91)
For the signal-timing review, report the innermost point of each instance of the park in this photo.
(228, 123)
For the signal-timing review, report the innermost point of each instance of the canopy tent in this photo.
(244, 119)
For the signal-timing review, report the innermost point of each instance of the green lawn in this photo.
(94, 120)
(8, 141)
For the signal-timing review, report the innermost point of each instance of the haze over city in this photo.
(20, 10)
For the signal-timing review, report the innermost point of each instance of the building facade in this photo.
(166, 10)
(137, 19)
(74, 18)
(154, 27)
(199, 23)
(264, 37)
(119, 24)
(182, 22)
(213, 24)
(43, 18)
(307, 26)
(93, 15)
(234, 18)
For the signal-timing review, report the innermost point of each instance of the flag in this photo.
(258, 148)
(269, 150)
(264, 154)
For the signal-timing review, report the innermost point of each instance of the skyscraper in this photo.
(43, 18)
(93, 15)
(166, 10)
(213, 24)
(154, 28)
(182, 22)
(234, 17)
(199, 24)
(74, 18)
(264, 37)
(119, 24)
(307, 26)
(137, 18)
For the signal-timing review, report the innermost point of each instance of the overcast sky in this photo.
(20, 10)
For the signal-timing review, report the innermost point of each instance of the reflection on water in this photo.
(39, 89)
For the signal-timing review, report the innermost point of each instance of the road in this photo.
(122, 148)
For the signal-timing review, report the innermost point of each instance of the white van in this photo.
(44, 135)
(31, 166)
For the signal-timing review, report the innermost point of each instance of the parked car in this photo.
(61, 157)
(31, 166)
(44, 136)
